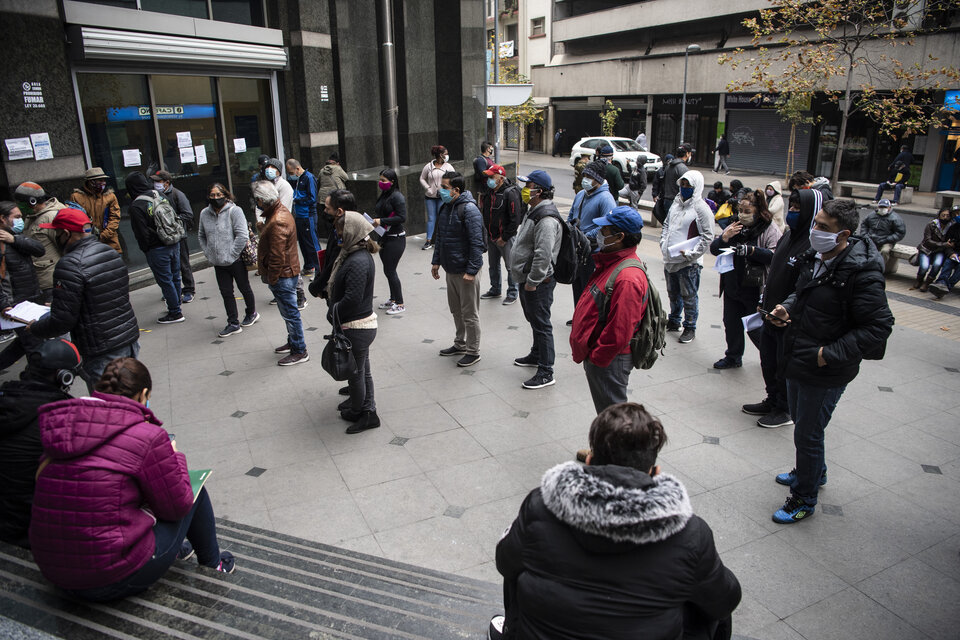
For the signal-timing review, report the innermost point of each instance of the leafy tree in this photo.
(853, 51)
(608, 118)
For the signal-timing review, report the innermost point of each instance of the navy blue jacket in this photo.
(460, 238)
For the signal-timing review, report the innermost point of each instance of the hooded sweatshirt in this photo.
(609, 552)
(587, 207)
(44, 214)
(223, 234)
(685, 220)
(784, 266)
(112, 474)
(775, 204)
(330, 178)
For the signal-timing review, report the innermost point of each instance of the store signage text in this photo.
(33, 95)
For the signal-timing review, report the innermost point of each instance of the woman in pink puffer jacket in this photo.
(113, 502)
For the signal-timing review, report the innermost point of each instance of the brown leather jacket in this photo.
(277, 255)
(96, 204)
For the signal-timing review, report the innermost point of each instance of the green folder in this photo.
(197, 478)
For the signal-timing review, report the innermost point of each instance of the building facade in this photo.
(635, 54)
(201, 88)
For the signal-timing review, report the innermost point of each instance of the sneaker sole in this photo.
(252, 322)
(290, 364)
(395, 313)
(755, 413)
(509, 301)
(537, 386)
(787, 484)
(188, 556)
(227, 335)
(774, 426)
(455, 353)
(486, 297)
(469, 364)
(524, 364)
(181, 319)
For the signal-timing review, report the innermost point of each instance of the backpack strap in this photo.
(604, 303)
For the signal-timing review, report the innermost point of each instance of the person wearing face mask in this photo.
(502, 207)
(163, 183)
(611, 173)
(688, 217)
(92, 299)
(40, 208)
(950, 271)
(16, 269)
(671, 175)
(338, 202)
(114, 508)
(885, 228)
(933, 249)
(391, 213)
(273, 172)
(305, 214)
(837, 317)
(101, 205)
(223, 234)
(459, 250)
(430, 179)
(480, 164)
(592, 202)
(753, 238)
(774, 195)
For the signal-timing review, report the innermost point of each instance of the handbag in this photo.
(337, 358)
(249, 254)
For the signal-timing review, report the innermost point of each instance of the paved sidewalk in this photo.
(459, 448)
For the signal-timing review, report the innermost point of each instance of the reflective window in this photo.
(247, 117)
(189, 8)
(239, 11)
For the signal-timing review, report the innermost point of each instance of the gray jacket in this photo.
(536, 245)
(223, 235)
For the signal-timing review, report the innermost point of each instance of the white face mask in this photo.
(771, 193)
(158, 186)
(823, 241)
(446, 158)
(883, 211)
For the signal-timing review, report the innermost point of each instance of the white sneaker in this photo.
(386, 305)
(395, 309)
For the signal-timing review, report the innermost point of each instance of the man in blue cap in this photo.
(605, 320)
(535, 250)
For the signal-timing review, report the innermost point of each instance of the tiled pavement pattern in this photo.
(458, 450)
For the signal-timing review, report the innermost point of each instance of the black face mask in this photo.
(217, 203)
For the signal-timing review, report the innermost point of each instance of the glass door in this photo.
(248, 120)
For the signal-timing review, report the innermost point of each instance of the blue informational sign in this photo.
(164, 112)
(952, 100)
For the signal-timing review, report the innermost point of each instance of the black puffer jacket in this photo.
(671, 175)
(784, 269)
(18, 258)
(844, 310)
(352, 292)
(391, 209)
(91, 300)
(20, 452)
(609, 552)
(460, 242)
(888, 229)
(501, 211)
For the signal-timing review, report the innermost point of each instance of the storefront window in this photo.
(248, 120)
(239, 11)
(189, 8)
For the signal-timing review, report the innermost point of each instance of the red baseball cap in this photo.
(495, 170)
(68, 220)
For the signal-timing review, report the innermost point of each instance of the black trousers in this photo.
(226, 276)
(733, 311)
(771, 354)
(186, 271)
(390, 253)
(584, 272)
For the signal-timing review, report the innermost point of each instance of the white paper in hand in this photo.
(28, 311)
(686, 245)
(752, 322)
(376, 229)
(724, 261)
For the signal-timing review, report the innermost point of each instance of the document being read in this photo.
(27, 312)
(686, 245)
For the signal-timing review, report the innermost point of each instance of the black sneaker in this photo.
(171, 318)
(495, 631)
(274, 301)
(302, 303)
(509, 299)
(539, 381)
(490, 294)
(368, 420)
(344, 391)
(229, 330)
(249, 319)
(688, 335)
(775, 420)
(725, 362)
(453, 351)
(469, 360)
(428, 245)
(186, 551)
(293, 358)
(937, 290)
(284, 348)
(526, 361)
(673, 327)
(758, 409)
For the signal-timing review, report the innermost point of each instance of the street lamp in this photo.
(691, 48)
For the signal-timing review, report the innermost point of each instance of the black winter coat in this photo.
(784, 268)
(610, 553)
(352, 293)
(391, 209)
(844, 310)
(18, 261)
(144, 228)
(20, 451)
(318, 288)
(733, 284)
(723, 147)
(888, 229)
(501, 211)
(459, 236)
(91, 300)
(181, 204)
(669, 188)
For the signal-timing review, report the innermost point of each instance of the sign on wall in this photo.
(32, 95)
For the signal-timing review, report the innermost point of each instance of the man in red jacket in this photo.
(604, 347)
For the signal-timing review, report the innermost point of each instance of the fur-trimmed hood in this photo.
(609, 505)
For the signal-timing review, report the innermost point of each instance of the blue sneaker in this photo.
(793, 510)
(788, 478)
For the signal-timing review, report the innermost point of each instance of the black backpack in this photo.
(575, 249)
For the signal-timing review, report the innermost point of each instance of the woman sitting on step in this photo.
(113, 501)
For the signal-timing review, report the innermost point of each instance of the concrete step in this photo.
(284, 587)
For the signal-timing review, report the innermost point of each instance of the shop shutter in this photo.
(759, 140)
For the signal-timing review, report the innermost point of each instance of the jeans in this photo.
(929, 265)
(536, 309)
(186, 270)
(92, 367)
(361, 382)
(307, 239)
(682, 288)
(608, 385)
(584, 271)
(165, 264)
(897, 188)
(433, 206)
(463, 299)
(198, 526)
(226, 276)
(390, 253)
(771, 353)
(495, 254)
(285, 291)
(949, 275)
(810, 408)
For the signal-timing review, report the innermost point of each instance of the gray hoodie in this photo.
(536, 245)
(223, 234)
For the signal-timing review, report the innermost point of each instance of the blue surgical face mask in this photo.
(686, 192)
(792, 218)
(18, 225)
(491, 183)
(271, 173)
(147, 404)
(446, 195)
(586, 183)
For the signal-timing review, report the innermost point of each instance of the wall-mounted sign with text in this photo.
(33, 95)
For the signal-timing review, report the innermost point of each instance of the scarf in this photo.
(356, 229)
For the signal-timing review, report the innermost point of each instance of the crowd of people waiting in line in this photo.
(818, 287)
